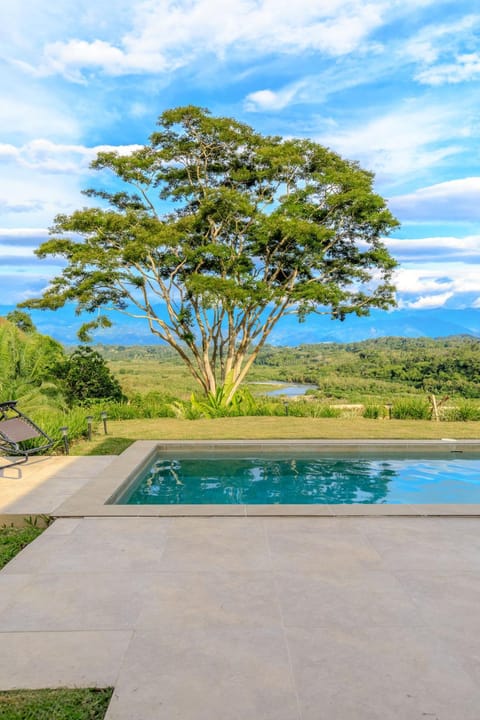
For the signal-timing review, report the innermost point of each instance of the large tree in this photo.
(212, 232)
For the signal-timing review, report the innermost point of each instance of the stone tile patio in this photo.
(45, 482)
(268, 618)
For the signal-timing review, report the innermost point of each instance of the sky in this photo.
(393, 84)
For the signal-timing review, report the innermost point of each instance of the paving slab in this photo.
(43, 483)
(331, 551)
(275, 618)
(61, 659)
(374, 598)
(77, 601)
(371, 673)
(206, 672)
(196, 599)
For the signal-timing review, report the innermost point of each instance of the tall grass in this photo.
(461, 412)
(52, 422)
(374, 412)
(150, 405)
(411, 409)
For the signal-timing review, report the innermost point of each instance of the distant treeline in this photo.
(448, 365)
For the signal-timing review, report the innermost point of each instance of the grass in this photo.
(14, 539)
(61, 704)
(144, 376)
(124, 432)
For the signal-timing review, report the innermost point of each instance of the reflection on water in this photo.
(241, 480)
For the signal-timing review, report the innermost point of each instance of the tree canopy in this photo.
(22, 320)
(212, 232)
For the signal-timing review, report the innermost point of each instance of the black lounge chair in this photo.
(15, 429)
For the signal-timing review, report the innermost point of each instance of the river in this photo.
(286, 389)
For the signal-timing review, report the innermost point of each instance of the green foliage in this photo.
(86, 378)
(22, 320)
(316, 410)
(150, 405)
(373, 412)
(26, 366)
(61, 704)
(461, 412)
(51, 420)
(230, 229)
(214, 405)
(412, 409)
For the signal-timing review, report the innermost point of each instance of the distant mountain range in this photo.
(400, 323)
(63, 325)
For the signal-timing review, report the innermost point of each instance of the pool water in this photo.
(271, 479)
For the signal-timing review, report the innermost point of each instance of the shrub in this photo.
(85, 376)
(411, 409)
(373, 412)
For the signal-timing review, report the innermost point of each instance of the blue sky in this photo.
(390, 83)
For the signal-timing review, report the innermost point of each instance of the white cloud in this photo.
(437, 279)
(465, 68)
(451, 200)
(440, 249)
(16, 252)
(37, 114)
(446, 53)
(273, 100)
(427, 302)
(22, 237)
(41, 179)
(433, 40)
(167, 34)
(48, 156)
(22, 233)
(405, 140)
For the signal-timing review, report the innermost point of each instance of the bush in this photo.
(411, 409)
(85, 377)
(373, 412)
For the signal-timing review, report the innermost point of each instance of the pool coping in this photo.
(93, 499)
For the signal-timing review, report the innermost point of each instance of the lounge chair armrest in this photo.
(7, 404)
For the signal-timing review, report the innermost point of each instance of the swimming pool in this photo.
(269, 477)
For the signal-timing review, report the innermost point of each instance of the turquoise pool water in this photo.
(271, 479)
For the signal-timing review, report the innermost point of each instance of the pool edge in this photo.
(96, 497)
